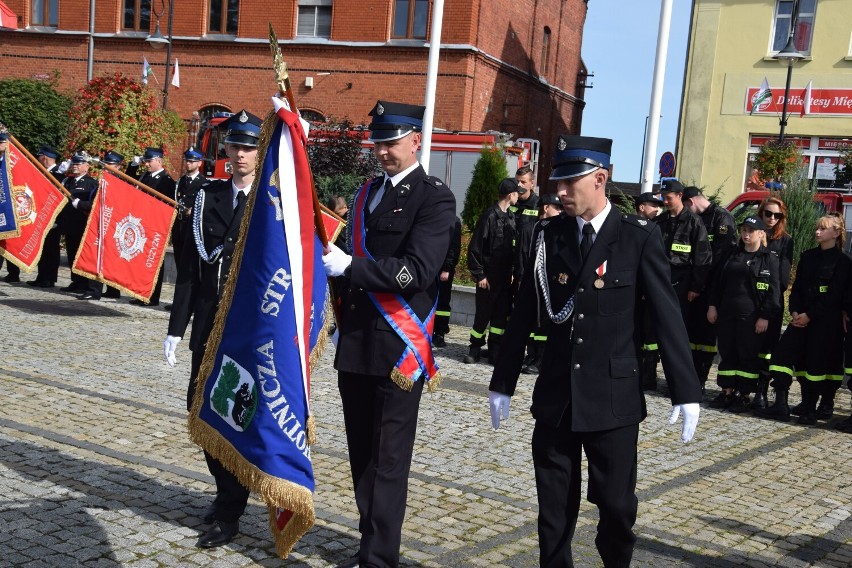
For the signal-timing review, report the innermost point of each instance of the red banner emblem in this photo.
(126, 237)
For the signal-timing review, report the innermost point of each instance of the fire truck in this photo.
(453, 155)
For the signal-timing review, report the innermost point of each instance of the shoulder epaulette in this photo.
(434, 182)
(637, 221)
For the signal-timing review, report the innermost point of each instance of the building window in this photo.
(545, 50)
(224, 16)
(410, 18)
(804, 24)
(46, 13)
(314, 18)
(137, 15)
(313, 116)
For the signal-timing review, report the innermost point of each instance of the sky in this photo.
(619, 47)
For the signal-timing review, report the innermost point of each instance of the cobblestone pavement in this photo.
(96, 468)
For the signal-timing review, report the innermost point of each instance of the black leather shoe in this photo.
(71, 288)
(9, 279)
(351, 563)
(222, 532)
(136, 302)
(438, 341)
(46, 284)
(112, 294)
(89, 296)
(209, 514)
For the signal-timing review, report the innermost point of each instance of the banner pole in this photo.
(136, 182)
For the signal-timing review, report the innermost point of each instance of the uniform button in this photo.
(615, 281)
(579, 340)
(352, 307)
(580, 290)
(580, 316)
(576, 366)
(230, 239)
(227, 258)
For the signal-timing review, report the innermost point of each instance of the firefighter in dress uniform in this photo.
(201, 277)
(590, 268)
(400, 227)
(48, 263)
(72, 221)
(185, 192)
(490, 259)
(811, 347)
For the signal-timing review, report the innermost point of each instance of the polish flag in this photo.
(806, 104)
(176, 76)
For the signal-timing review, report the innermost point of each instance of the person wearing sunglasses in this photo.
(773, 212)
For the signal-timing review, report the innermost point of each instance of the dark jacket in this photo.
(526, 216)
(765, 286)
(782, 248)
(453, 253)
(200, 284)
(185, 193)
(161, 181)
(687, 248)
(492, 245)
(721, 232)
(408, 234)
(822, 277)
(591, 361)
(73, 219)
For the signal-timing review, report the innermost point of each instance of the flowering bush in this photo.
(115, 112)
(778, 161)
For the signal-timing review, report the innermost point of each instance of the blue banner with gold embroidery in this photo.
(252, 405)
(8, 222)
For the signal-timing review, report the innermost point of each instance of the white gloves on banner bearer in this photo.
(335, 260)
(169, 346)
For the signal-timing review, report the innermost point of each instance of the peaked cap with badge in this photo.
(49, 151)
(550, 199)
(243, 129)
(648, 197)
(577, 156)
(113, 158)
(192, 154)
(152, 153)
(392, 121)
(671, 185)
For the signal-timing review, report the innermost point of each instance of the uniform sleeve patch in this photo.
(403, 277)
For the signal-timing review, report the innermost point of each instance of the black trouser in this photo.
(557, 458)
(702, 336)
(443, 311)
(231, 496)
(11, 268)
(48, 264)
(492, 307)
(381, 423)
(813, 353)
(73, 239)
(739, 350)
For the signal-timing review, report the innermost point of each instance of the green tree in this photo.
(339, 161)
(34, 111)
(490, 169)
(843, 170)
(802, 214)
(115, 112)
(225, 387)
(778, 161)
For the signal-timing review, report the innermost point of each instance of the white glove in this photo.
(75, 203)
(169, 346)
(137, 160)
(690, 419)
(499, 405)
(335, 337)
(335, 260)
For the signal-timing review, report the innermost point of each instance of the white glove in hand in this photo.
(76, 202)
(499, 405)
(690, 419)
(169, 346)
(335, 260)
(137, 160)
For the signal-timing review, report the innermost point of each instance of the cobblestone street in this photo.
(96, 468)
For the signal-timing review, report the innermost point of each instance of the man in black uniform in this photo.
(72, 221)
(406, 219)
(187, 187)
(687, 247)
(491, 256)
(445, 288)
(593, 265)
(158, 179)
(648, 207)
(48, 263)
(201, 278)
(722, 234)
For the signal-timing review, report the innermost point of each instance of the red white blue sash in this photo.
(417, 359)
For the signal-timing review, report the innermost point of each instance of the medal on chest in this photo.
(600, 271)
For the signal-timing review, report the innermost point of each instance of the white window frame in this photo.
(778, 18)
(316, 6)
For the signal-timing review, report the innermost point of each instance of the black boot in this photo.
(825, 410)
(779, 410)
(760, 400)
(473, 354)
(648, 369)
(493, 353)
(807, 409)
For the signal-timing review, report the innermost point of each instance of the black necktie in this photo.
(586, 243)
(241, 198)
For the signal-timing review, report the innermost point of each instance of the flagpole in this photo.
(282, 78)
(39, 165)
(137, 183)
(431, 83)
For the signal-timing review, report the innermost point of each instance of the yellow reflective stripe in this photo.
(512, 208)
(705, 348)
(781, 369)
(535, 337)
(710, 238)
(823, 289)
(533, 212)
(736, 373)
(679, 247)
(816, 378)
(476, 335)
(497, 330)
(766, 356)
(441, 313)
(848, 370)
(762, 286)
(650, 347)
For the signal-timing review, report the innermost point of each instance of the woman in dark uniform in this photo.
(812, 345)
(744, 298)
(773, 212)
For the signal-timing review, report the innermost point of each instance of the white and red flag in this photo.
(125, 241)
(37, 202)
(806, 100)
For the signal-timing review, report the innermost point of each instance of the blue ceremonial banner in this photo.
(252, 405)
(8, 222)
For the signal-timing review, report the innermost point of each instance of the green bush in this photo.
(343, 185)
(34, 111)
(802, 214)
(489, 171)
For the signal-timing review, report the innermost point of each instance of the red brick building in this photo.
(507, 65)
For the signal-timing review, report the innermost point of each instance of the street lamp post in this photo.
(157, 41)
(787, 56)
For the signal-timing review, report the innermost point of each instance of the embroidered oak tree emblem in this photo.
(233, 397)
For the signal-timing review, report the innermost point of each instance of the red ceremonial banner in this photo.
(126, 237)
(333, 224)
(37, 204)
